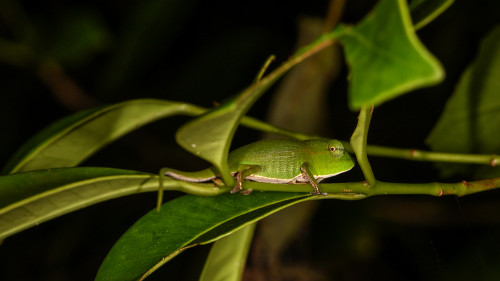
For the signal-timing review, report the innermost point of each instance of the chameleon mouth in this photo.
(322, 177)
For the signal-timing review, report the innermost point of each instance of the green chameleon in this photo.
(279, 161)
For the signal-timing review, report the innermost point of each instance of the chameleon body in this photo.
(280, 161)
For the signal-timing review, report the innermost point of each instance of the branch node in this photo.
(464, 182)
(493, 162)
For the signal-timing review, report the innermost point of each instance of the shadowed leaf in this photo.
(471, 120)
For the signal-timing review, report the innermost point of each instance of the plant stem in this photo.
(360, 190)
(358, 143)
(419, 155)
(264, 68)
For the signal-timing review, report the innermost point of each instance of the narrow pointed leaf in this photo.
(226, 261)
(30, 198)
(71, 140)
(385, 56)
(182, 223)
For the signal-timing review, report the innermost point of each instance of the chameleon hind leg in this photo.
(306, 173)
(240, 177)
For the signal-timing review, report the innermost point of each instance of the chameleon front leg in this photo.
(306, 173)
(240, 177)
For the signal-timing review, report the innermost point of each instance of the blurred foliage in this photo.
(470, 121)
(201, 52)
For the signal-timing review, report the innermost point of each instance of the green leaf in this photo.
(209, 136)
(425, 11)
(185, 222)
(385, 56)
(227, 258)
(30, 198)
(471, 120)
(71, 140)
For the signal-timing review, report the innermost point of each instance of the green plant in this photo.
(386, 60)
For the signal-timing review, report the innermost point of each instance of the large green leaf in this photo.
(185, 222)
(385, 56)
(470, 122)
(27, 199)
(30, 198)
(71, 140)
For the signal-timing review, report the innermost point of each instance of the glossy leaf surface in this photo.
(182, 223)
(71, 140)
(385, 56)
(30, 198)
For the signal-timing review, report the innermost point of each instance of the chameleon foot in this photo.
(319, 193)
(246, 191)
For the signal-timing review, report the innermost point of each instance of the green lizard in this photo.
(279, 161)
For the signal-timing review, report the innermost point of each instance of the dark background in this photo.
(203, 52)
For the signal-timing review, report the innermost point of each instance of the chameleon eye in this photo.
(336, 150)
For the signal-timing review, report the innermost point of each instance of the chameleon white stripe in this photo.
(298, 178)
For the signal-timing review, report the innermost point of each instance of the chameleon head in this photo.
(328, 158)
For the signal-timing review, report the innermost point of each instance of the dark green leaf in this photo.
(182, 223)
(30, 198)
(227, 258)
(471, 120)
